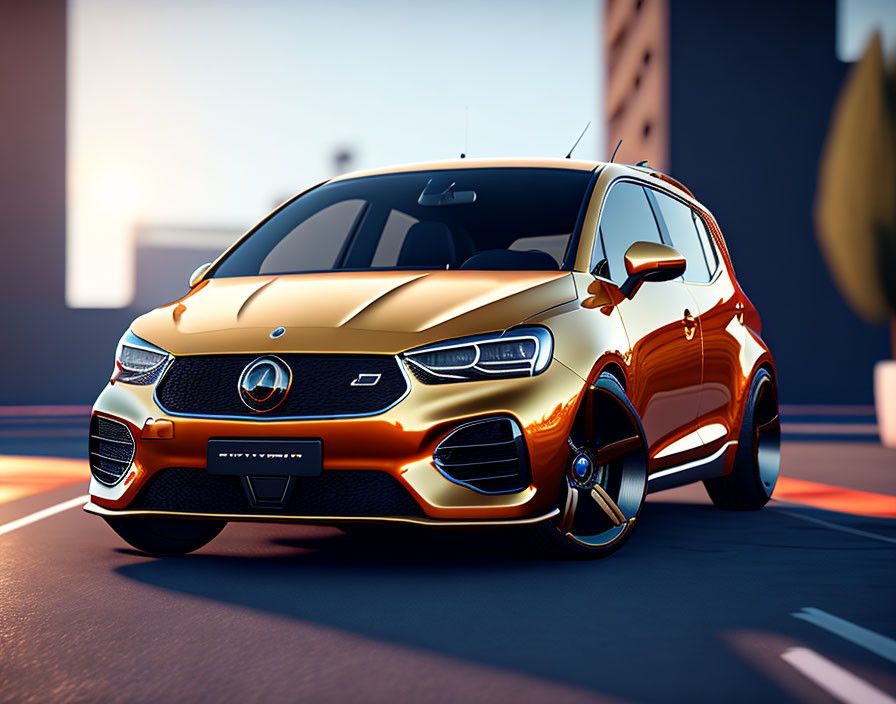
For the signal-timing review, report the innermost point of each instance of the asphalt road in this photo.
(701, 605)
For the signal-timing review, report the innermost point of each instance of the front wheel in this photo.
(750, 484)
(605, 481)
(165, 536)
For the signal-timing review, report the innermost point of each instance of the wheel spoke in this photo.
(569, 512)
(607, 505)
(616, 449)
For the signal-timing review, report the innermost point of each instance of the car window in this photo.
(315, 243)
(394, 232)
(682, 229)
(487, 218)
(709, 250)
(555, 245)
(626, 218)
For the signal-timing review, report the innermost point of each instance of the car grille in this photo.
(488, 456)
(207, 385)
(357, 493)
(111, 449)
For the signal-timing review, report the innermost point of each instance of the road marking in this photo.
(835, 680)
(842, 529)
(835, 498)
(24, 476)
(43, 513)
(875, 642)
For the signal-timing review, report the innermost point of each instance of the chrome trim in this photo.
(533, 363)
(517, 439)
(154, 373)
(704, 468)
(96, 510)
(279, 366)
(127, 464)
(277, 419)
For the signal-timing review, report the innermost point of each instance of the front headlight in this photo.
(524, 351)
(137, 361)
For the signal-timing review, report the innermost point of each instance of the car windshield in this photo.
(485, 218)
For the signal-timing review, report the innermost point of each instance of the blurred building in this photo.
(636, 36)
(167, 255)
(734, 99)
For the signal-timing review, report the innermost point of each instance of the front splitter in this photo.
(96, 510)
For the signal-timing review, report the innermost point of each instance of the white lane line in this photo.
(835, 526)
(43, 513)
(875, 642)
(839, 683)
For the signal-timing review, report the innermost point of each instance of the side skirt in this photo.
(690, 472)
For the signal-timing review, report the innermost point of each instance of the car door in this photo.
(665, 368)
(718, 315)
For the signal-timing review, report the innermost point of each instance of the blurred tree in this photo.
(855, 207)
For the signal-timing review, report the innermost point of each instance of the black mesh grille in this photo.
(321, 386)
(361, 493)
(489, 456)
(111, 450)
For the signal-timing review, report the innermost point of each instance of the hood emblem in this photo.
(277, 332)
(264, 383)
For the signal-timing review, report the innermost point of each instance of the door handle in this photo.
(690, 324)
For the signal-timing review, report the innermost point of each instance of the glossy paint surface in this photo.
(685, 354)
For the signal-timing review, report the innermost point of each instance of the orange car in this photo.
(528, 343)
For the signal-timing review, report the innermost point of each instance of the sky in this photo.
(208, 113)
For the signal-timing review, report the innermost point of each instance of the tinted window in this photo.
(419, 220)
(315, 242)
(709, 250)
(682, 230)
(626, 218)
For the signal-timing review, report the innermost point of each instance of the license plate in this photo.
(272, 458)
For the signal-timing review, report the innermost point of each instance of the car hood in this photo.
(382, 312)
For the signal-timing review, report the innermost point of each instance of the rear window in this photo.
(502, 218)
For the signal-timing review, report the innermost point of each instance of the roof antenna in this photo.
(463, 154)
(569, 156)
(615, 150)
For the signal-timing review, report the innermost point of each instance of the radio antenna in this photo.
(615, 150)
(463, 154)
(569, 156)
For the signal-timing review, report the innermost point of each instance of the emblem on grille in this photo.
(264, 383)
(277, 332)
(367, 380)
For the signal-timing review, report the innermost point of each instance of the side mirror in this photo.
(198, 273)
(649, 261)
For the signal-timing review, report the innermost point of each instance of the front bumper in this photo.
(400, 442)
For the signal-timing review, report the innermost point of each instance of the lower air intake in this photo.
(347, 492)
(111, 450)
(488, 456)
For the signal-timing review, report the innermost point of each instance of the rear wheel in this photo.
(750, 484)
(165, 536)
(605, 481)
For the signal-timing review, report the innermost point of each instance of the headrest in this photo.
(428, 244)
(511, 260)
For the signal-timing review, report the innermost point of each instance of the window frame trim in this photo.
(598, 235)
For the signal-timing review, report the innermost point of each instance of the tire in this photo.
(589, 531)
(750, 484)
(165, 536)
